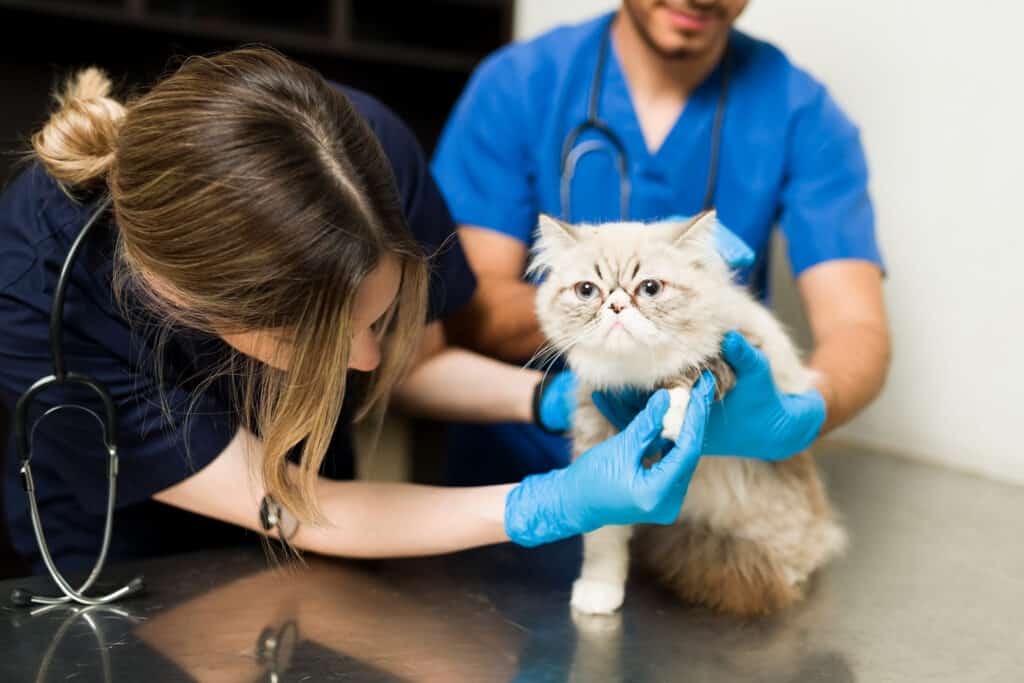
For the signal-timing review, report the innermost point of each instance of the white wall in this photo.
(537, 16)
(936, 89)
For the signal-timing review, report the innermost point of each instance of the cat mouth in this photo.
(617, 326)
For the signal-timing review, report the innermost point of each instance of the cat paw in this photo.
(672, 423)
(591, 596)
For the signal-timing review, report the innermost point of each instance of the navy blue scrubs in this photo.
(170, 425)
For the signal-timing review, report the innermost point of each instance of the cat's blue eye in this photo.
(649, 288)
(586, 290)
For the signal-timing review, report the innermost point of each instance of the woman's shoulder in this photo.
(38, 221)
(394, 134)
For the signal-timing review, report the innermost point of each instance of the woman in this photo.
(267, 231)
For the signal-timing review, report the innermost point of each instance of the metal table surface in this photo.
(932, 589)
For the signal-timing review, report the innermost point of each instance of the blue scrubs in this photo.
(789, 156)
(157, 447)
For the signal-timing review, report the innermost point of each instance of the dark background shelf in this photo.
(415, 56)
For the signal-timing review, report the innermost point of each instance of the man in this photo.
(705, 115)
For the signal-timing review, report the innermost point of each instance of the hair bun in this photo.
(78, 143)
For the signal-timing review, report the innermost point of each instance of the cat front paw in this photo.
(672, 423)
(591, 596)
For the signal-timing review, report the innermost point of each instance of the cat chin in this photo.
(602, 368)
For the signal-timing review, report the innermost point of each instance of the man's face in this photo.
(683, 28)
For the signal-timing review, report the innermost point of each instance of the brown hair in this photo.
(254, 191)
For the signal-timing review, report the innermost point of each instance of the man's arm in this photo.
(845, 307)
(501, 320)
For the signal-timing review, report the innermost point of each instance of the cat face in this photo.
(630, 303)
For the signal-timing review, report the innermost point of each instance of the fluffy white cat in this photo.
(646, 305)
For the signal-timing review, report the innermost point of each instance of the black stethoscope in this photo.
(612, 145)
(24, 433)
(271, 514)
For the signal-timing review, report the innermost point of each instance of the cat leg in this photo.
(601, 586)
(725, 378)
(679, 398)
(679, 394)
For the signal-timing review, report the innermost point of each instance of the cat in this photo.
(646, 306)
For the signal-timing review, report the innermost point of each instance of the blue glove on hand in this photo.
(609, 484)
(554, 402)
(732, 249)
(754, 420)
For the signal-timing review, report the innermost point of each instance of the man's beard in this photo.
(679, 54)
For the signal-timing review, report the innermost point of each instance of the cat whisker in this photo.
(553, 349)
(559, 346)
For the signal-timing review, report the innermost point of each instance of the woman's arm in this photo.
(449, 383)
(363, 519)
(608, 484)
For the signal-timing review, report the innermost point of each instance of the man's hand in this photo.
(755, 419)
(500, 320)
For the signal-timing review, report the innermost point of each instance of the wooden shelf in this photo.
(341, 33)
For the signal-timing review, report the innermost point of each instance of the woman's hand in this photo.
(609, 484)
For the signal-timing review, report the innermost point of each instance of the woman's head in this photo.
(253, 202)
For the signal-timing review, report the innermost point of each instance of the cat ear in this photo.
(700, 225)
(556, 233)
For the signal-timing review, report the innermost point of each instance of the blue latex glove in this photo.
(609, 484)
(754, 420)
(621, 406)
(554, 402)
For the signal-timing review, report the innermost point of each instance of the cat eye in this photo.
(586, 290)
(649, 288)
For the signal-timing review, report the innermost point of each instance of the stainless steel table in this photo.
(931, 590)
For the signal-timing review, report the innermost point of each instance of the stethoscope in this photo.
(88, 614)
(23, 435)
(612, 144)
(275, 646)
(271, 514)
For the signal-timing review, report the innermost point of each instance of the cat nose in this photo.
(616, 307)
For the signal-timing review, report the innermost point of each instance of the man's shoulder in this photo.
(768, 66)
